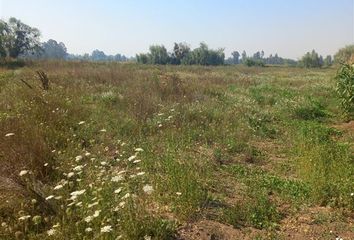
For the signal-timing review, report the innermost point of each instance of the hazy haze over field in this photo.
(289, 28)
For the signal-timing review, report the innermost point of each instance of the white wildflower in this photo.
(106, 229)
(92, 204)
(117, 191)
(56, 225)
(78, 193)
(137, 161)
(9, 134)
(22, 173)
(146, 237)
(117, 178)
(78, 158)
(148, 189)
(70, 204)
(51, 232)
(70, 174)
(140, 173)
(126, 196)
(97, 213)
(139, 150)
(103, 130)
(49, 197)
(121, 172)
(88, 229)
(58, 187)
(23, 218)
(179, 193)
(81, 122)
(131, 158)
(78, 168)
(88, 219)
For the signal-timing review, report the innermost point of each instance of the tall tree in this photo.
(158, 54)
(244, 56)
(4, 30)
(235, 57)
(54, 50)
(328, 61)
(180, 51)
(98, 55)
(21, 38)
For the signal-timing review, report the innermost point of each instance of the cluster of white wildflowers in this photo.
(165, 118)
(114, 182)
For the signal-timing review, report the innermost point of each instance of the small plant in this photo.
(345, 88)
(310, 111)
(258, 211)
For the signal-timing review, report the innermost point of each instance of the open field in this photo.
(128, 151)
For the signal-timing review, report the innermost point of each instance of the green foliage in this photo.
(311, 60)
(258, 211)
(345, 55)
(17, 38)
(54, 50)
(183, 55)
(345, 88)
(250, 62)
(310, 110)
(325, 165)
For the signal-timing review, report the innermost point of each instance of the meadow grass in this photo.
(127, 151)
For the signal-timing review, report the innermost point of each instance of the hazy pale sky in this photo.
(289, 28)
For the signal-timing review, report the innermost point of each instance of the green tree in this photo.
(328, 61)
(21, 38)
(158, 55)
(311, 60)
(142, 58)
(235, 57)
(54, 50)
(244, 56)
(180, 51)
(4, 30)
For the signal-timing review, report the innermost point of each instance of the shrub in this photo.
(252, 62)
(345, 87)
(310, 111)
(345, 55)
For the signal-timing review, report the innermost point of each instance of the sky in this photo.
(289, 28)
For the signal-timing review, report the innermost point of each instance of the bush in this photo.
(252, 62)
(345, 88)
(345, 55)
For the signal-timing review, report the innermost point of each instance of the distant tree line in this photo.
(182, 54)
(258, 59)
(99, 56)
(18, 40)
